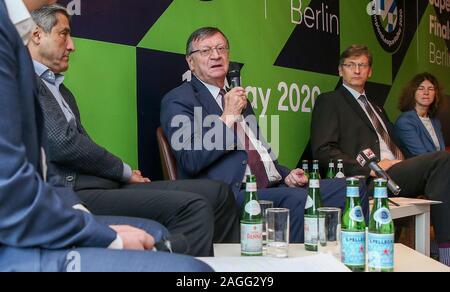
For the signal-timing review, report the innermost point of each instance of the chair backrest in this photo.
(168, 162)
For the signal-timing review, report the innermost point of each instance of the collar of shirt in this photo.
(21, 18)
(214, 90)
(355, 93)
(42, 70)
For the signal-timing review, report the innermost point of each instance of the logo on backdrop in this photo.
(388, 20)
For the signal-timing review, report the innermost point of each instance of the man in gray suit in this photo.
(40, 227)
(204, 211)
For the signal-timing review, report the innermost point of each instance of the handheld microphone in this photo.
(234, 75)
(176, 243)
(368, 158)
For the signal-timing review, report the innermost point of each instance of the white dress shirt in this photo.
(21, 18)
(272, 173)
(385, 152)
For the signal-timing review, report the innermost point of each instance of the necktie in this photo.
(49, 77)
(380, 129)
(253, 158)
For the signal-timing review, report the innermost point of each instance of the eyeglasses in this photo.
(206, 52)
(353, 66)
(422, 88)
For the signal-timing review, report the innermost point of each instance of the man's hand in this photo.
(296, 178)
(133, 238)
(137, 178)
(235, 101)
(385, 165)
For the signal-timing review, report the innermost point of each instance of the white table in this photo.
(421, 210)
(406, 259)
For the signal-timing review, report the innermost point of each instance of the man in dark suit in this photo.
(201, 210)
(199, 119)
(41, 227)
(347, 121)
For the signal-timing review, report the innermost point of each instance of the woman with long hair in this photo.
(417, 127)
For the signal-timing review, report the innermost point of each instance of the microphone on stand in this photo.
(368, 158)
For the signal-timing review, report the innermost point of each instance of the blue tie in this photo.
(49, 76)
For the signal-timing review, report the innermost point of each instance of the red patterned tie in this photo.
(253, 158)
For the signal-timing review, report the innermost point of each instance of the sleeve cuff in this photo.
(116, 244)
(127, 172)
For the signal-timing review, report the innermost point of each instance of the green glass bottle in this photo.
(316, 168)
(313, 202)
(305, 167)
(353, 234)
(381, 231)
(251, 221)
(340, 169)
(331, 173)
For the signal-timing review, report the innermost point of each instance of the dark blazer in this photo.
(227, 165)
(414, 137)
(340, 129)
(33, 215)
(71, 150)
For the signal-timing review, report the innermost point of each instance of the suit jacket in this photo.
(33, 215)
(72, 153)
(225, 164)
(340, 129)
(414, 137)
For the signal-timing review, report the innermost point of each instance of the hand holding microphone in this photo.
(235, 101)
(368, 158)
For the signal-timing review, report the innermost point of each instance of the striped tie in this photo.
(380, 129)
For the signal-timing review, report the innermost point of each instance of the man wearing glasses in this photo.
(204, 112)
(347, 121)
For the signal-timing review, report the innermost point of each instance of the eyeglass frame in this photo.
(225, 48)
(353, 66)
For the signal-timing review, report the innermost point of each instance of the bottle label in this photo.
(305, 167)
(340, 165)
(353, 246)
(312, 229)
(251, 239)
(356, 214)
(251, 187)
(382, 216)
(381, 251)
(253, 208)
(309, 203)
(380, 193)
(340, 174)
(314, 183)
(331, 165)
(352, 192)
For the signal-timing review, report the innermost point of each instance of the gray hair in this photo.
(201, 34)
(45, 17)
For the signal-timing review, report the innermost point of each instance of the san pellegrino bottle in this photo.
(316, 168)
(331, 173)
(340, 169)
(251, 221)
(305, 167)
(313, 202)
(381, 231)
(353, 234)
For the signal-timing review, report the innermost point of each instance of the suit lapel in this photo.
(350, 99)
(204, 97)
(423, 129)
